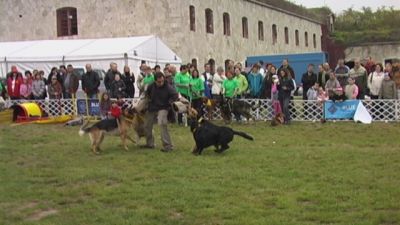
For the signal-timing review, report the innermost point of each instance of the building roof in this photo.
(289, 8)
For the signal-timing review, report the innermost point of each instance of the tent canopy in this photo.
(48, 53)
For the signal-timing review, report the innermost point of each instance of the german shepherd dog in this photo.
(98, 130)
(207, 134)
(278, 120)
(238, 107)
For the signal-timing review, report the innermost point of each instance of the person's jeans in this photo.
(285, 101)
(162, 120)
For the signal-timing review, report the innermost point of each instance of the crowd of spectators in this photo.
(263, 81)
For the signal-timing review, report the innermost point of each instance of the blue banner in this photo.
(340, 110)
(92, 105)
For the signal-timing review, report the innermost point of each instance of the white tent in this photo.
(44, 55)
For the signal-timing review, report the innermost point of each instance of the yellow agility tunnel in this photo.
(26, 112)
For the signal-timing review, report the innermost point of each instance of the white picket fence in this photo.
(380, 110)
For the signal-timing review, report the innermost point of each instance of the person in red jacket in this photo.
(115, 110)
(14, 82)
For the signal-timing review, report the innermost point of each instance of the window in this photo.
(209, 21)
(306, 39)
(227, 24)
(286, 35)
(260, 31)
(192, 17)
(194, 62)
(296, 34)
(314, 41)
(67, 22)
(274, 34)
(245, 28)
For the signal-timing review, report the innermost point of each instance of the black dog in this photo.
(206, 134)
(237, 107)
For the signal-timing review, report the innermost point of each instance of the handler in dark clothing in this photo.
(161, 95)
(285, 88)
(90, 82)
(309, 79)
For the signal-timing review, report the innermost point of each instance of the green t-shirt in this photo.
(182, 79)
(230, 86)
(242, 83)
(148, 79)
(197, 88)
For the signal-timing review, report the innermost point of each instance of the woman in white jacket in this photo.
(217, 81)
(375, 81)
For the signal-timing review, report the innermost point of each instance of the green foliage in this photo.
(306, 173)
(354, 27)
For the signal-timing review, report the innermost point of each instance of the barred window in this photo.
(227, 24)
(286, 35)
(296, 33)
(314, 41)
(209, 21)
(67, 22)
(192, 17)
(274, 34)
(306, 39)
(260, 31)
(245, 28)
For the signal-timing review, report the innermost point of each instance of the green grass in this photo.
(335, 173)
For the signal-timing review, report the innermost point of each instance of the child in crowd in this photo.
(312, 93)
(274, 95)
(105, 105)
(115, 110)
(25, 89)
(351, 89)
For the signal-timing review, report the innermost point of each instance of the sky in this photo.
(338, 6)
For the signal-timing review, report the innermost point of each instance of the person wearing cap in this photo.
(161, 95)
(14, 81)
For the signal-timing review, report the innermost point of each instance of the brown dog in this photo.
(98, 130)
(278, 120)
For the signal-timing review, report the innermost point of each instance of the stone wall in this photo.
(169, 19)
(378, 51)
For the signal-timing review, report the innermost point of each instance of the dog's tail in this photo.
(243, 134)
(83, 130)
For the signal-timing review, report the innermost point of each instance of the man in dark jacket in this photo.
(110, 76)
(308, 79)
(90, 82)
(285, 65)
(70, 83)
(161, 95)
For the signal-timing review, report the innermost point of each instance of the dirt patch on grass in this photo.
(38, 215)
(25, 206)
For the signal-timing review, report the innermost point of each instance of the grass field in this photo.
(335, 173)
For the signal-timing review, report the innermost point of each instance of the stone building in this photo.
(197, 30)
